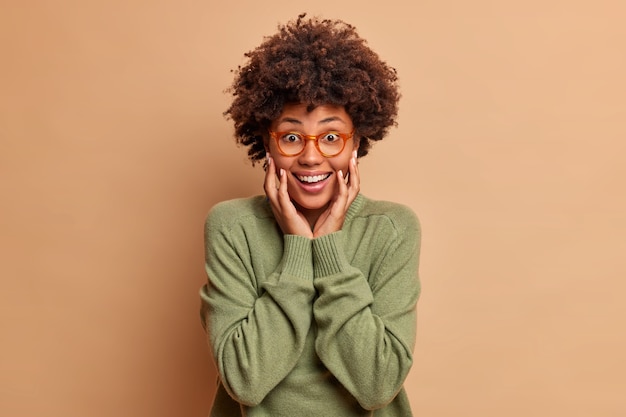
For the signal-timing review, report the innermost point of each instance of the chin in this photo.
(311, 204)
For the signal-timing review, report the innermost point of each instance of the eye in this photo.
(330, 137)
(291, 138)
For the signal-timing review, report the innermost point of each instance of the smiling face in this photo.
(311, 177)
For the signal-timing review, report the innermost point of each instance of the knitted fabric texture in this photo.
(311, 327)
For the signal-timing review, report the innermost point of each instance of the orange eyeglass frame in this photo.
(343, 136)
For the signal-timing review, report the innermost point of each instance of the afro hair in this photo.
(313, 62)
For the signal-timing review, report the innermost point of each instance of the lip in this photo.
(315, 187)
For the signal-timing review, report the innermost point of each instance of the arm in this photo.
(366, 325)
(256, 335)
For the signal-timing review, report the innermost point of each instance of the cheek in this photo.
(281, 162)
(342, 164)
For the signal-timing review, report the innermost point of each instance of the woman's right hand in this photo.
(290, 220)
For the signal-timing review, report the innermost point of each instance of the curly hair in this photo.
(314, 62)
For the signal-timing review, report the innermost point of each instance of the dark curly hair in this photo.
(313, 62)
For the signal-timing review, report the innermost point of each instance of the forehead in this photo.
(296, 115)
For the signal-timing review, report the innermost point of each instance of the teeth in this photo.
(313, 178)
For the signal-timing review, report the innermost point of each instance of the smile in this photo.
(312, 179)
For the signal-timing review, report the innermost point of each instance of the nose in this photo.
(310, 155)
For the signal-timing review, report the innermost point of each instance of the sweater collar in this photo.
(355, 207)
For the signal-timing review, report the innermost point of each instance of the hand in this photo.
(348, 187)
(290, 220)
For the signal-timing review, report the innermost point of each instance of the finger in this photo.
(355, 178)
(342, 184)
(271, 189)
(341, 198)
(283, 192)
(270, 179)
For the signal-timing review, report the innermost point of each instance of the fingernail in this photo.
(340, 174)
(282, 172)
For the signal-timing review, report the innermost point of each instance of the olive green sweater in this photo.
(302, 327)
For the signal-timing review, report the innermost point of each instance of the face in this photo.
(311, 177)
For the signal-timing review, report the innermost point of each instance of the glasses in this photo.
(328, 143)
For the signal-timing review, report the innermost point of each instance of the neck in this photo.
(311, 215)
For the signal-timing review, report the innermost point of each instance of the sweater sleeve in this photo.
(367, 325)
(256, 335)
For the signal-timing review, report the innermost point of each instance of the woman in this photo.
(310, 305)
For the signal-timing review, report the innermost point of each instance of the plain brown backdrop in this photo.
(510, 148)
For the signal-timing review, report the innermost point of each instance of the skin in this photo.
(320, 209)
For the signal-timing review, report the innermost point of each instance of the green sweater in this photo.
(302, 327)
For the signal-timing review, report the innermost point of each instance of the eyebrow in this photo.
(321, 122)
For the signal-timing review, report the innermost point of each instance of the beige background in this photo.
(510, 148)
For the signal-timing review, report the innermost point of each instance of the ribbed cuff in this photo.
(297, 258)
(328, 255)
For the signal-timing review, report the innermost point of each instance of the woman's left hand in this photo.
(348, 187)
